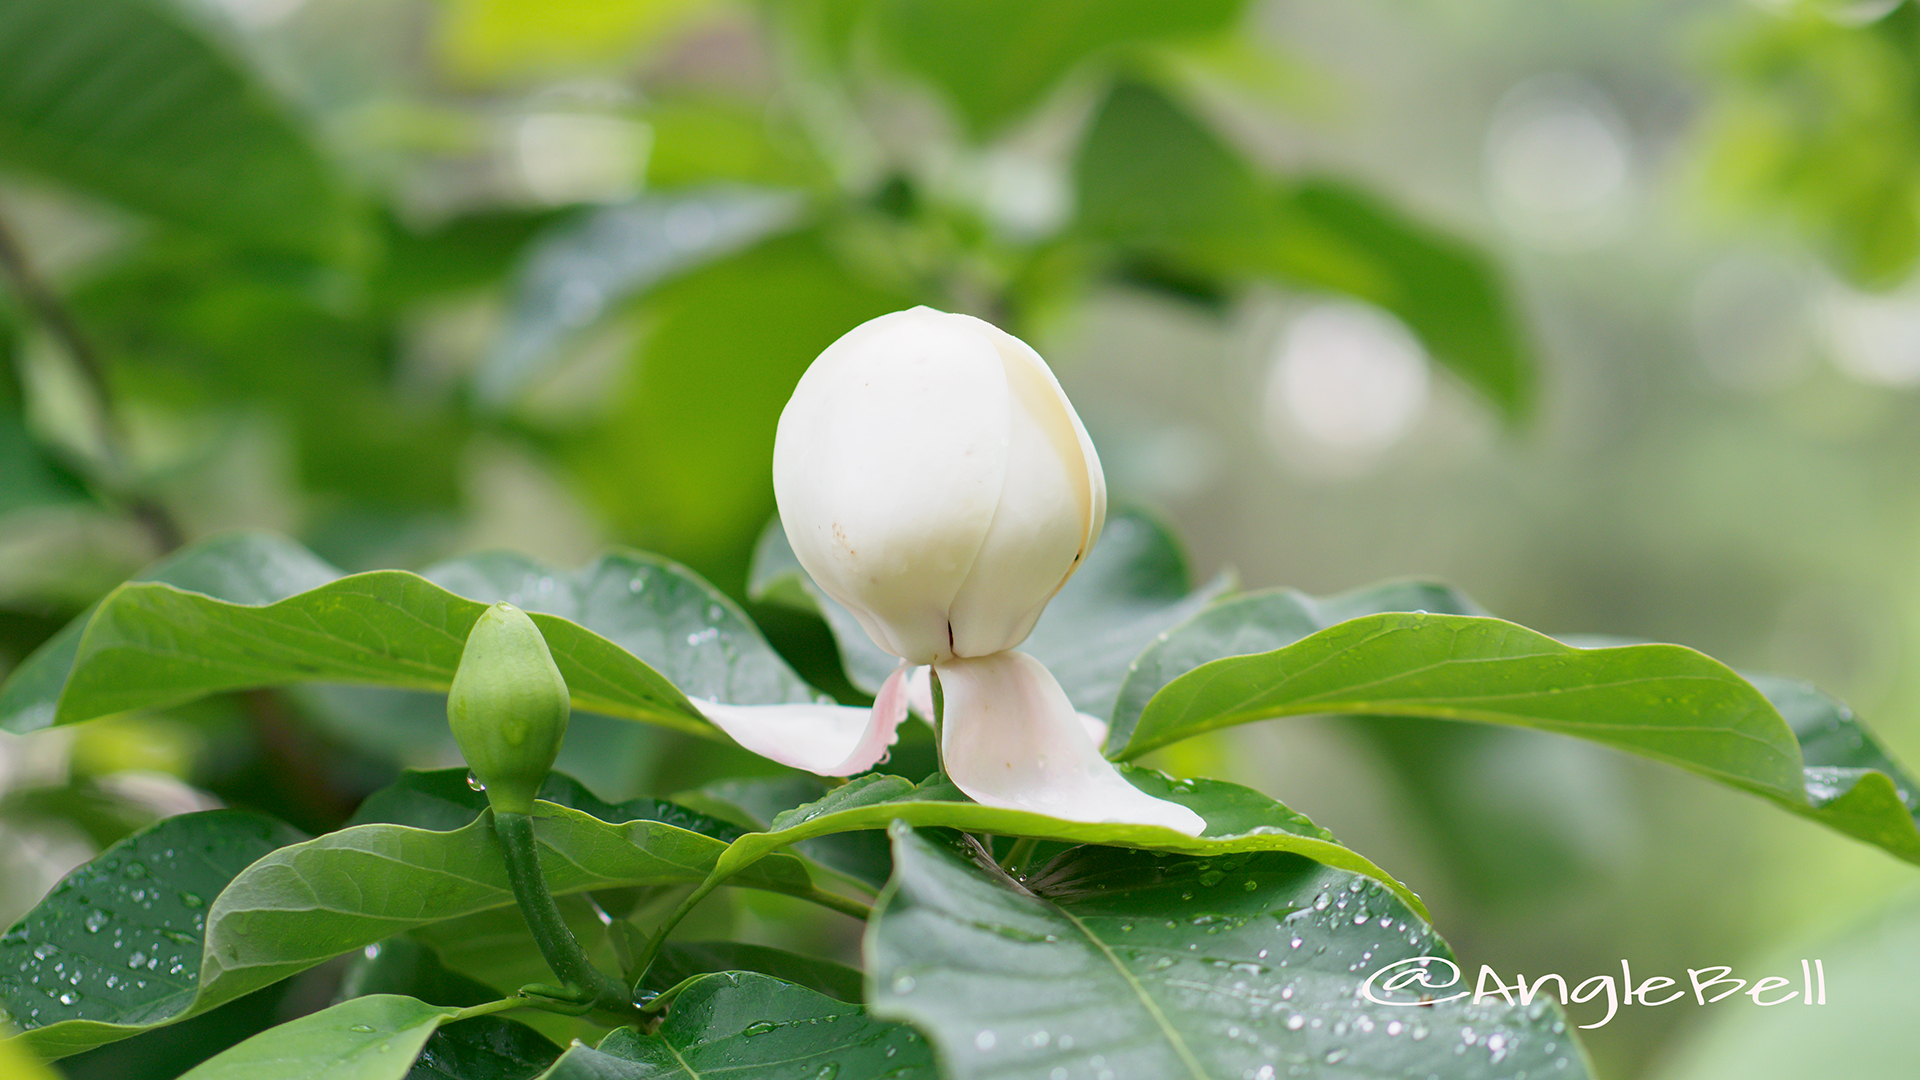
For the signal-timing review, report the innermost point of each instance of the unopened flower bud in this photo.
(508, 707)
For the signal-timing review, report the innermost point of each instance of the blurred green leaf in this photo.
(1280, 653)
(494, 39)
(750, 1025)
(1818, 119)
(131, 101)
(301, 904)
(369, 1038)
(591, 264)
(996, 59)
(692, 430)
(28, 476)
(1247, 965)
(1238, 820)
(1133, 585)
(246, 623)
(1166, 192)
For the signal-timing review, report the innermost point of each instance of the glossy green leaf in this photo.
(131, 101)
(121, 936)
(484, 1048)
(996, 59)
(742, 1024)
(368, 1038)
(1423, 650)
(1146, 964)
(1133, 585)
(1659, 701)
(1173, 198)
(300, 904)
(1238, 820)
(629, 632)
(590, 265)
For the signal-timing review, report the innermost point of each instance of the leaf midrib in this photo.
(1160, 1020)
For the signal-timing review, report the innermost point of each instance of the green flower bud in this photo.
(508, 707)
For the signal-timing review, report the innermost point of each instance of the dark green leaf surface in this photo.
(1145, 964)
(1133, 585)
(742, 1024)
(1238, 820)
(1162, 189)
(128, 100)
(1412, 649)
(120, 937)
(367, 1038)
(629, 631)
(484, 1048)
(28, 476)
(996, 59)
(298, 905)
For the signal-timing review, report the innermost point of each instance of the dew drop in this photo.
(1212, 878)
(758, 1027)
(474, 783)
(364, 1029)
(985, 1040)
(97, 919)
(1296, 1022)
(903, 984)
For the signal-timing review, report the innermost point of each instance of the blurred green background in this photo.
(1601, 311)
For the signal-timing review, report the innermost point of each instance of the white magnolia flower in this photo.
(934, 480)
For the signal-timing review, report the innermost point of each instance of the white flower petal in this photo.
(827, 740)
(920, 699)
(887, 465)
(1010, 738)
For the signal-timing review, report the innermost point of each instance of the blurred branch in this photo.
(111, 437)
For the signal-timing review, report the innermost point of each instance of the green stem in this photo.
(842, 904)
(557, 943)
(1021, 851)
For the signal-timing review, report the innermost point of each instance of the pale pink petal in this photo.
(828, 740)
(1010, 738)
(920, 698)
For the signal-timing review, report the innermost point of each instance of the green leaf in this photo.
(680, 960)
(484, 1048)
(590, 265)
(996, 59)
(630, 632)
(1261, 622)
(367, 1038)
(120, 937)
(1660, 701)
(1133, 585)
(750, 1025)
(1164, 191)
(1413, 649)
(1219, 967)
(128, 100)
(1238, 820)
(298, 905)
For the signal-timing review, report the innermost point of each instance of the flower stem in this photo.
(1018, 855)
(557, 944)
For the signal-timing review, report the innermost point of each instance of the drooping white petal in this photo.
(888, 463)
(920, 699)
(1010, 738)
(827, 740)
(1043, 524)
